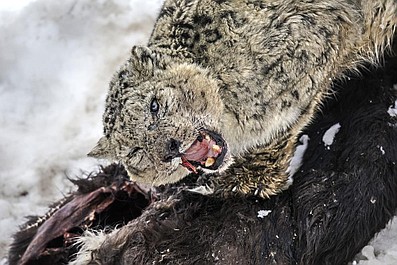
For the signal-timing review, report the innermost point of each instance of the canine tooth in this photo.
(216, 148)
(209, 162)
(207, 137)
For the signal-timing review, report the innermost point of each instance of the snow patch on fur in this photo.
(393, 110)
(329, 135)
(263, 213)
(296, 160)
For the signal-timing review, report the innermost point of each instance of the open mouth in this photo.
(207, 151)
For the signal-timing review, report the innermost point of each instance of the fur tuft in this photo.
(87, 243)
(380, 20)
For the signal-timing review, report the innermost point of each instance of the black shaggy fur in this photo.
(341, 197)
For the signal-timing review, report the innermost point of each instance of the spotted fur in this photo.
(253, 71)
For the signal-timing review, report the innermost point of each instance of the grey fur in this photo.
(253, 71)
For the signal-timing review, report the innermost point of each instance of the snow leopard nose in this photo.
(172, 150)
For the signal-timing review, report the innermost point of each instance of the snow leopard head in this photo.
(161, 119)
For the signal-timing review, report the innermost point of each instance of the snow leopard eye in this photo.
(154, 106)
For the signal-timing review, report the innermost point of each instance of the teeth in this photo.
(216, 148)
(209, 162)
(207, 137)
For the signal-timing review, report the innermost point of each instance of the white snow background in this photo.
(56, 59)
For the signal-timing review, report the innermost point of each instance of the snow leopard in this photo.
(220, 81)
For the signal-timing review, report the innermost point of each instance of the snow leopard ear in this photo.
(102, 149)
(143, 62)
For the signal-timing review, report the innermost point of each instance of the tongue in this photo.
(198, 151)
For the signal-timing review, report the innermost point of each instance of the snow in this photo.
(382, 150)
(56, 60)
(296, 160)
(393, 110)
(263, 213)
(13, 5)
(329, 135)
(383, 248)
